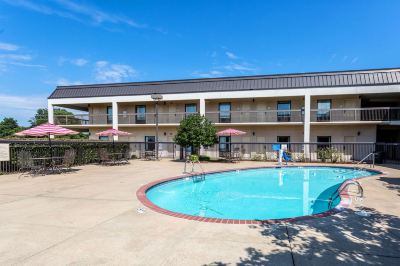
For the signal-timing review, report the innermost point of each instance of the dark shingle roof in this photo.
(269, 82)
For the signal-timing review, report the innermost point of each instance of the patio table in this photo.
(49, 166)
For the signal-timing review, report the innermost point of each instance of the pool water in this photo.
(254, 194)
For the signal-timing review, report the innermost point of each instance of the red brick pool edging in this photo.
(345, 200)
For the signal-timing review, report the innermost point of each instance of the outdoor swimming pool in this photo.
(254, 194)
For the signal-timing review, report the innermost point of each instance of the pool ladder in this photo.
(366, 157)
(196, 176)
(337, 192)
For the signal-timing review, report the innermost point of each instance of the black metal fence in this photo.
(87, 151)
(312, 152)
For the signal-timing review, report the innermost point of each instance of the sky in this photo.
(45, 43)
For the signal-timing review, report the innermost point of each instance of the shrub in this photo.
(194, 158)
(204, 158)
(258, 157)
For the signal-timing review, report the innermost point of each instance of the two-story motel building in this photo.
(342, 106)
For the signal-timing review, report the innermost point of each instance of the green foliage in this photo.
(196, 131)
(204, 158)
(194, 158)
(8, 127)
(42, 115)
(258, 157)
(86, 152)
(329, 153)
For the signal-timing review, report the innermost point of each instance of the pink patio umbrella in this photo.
(47, 129)
(230, 132)
(113, 132)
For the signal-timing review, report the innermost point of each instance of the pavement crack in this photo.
(290, 245)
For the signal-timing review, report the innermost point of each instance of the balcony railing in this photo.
(83, 119)
(150, 118)
(268, 116)
(355, 114)
(123, 119)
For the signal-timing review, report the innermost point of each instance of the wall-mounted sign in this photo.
(4, 152)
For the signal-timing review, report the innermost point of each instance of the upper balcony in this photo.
(289, 117)
(267, 116)
(123, 119)
(359, 115)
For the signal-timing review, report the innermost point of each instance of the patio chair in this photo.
(235, 157)
(125, 158)
(26, 164)
(150, 155)
(225, 155)
(105, 157)
(68, 160)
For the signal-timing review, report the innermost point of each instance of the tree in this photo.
(8, 127)
(196, 131)
(42, 116)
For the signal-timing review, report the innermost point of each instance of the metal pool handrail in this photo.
(337, 192)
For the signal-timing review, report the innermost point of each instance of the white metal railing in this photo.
(124, 118)
(265, 116)
(356, 114)
(83, 119)
(150, 118)
(255, 116)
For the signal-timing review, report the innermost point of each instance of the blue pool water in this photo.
(254, 194)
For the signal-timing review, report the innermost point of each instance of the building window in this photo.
(140, 116)
(283, 113)
(285, 140)
(109, 115)
(322, 140)
(190, 109)
(324, 110)
(103, 138)
(150, 144)
(225, 112)
(224, 144)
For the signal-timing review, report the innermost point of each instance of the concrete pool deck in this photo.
(90, 217)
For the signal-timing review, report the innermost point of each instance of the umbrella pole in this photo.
(230, 144)
(113, 144)
(51, 153)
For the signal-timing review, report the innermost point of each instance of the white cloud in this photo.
(106, 72)
(77, 62)
(80, 62)
(21, 107)
(210, 74)
(16, 60)
(66, 82)
(8, 46)
(239, 67)
(18, 57)
(27, 65)
(354, 60)
(226, 66)
(231, 55)
(78, 12)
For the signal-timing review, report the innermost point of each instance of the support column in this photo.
(115, 117)
(202, 106)
(307, 127)
(50, 115)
